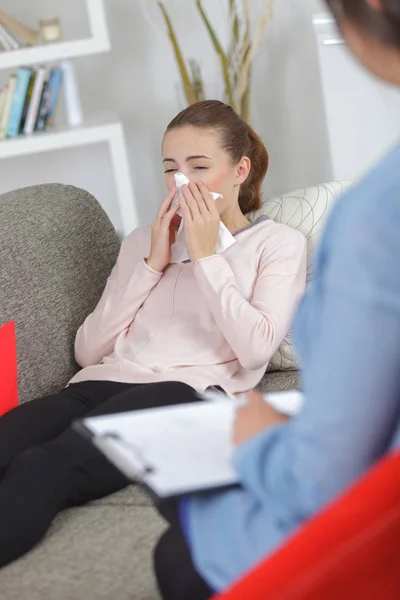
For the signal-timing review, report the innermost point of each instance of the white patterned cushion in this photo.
(305, 210)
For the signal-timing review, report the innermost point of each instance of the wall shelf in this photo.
(37, 55)
(104, 130)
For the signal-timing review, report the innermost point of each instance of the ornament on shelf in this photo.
(50, 30)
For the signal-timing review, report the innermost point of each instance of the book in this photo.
(12, 84)
(34, 105)
(4, 44)
(3, 94)
(7, 39)
(17, 29)
(43, 108)
(14, 122)
(73, 106)
(3, 103)
(27, 101)
(176, 450)
(55, 81)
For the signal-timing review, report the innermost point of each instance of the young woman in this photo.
(348, 338)
(161, 332)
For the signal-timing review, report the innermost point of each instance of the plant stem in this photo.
(187, 84)
(218, 48)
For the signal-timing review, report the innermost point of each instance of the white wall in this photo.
(363, 113)
(138, 81)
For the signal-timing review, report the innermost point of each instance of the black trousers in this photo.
(45, 466)
(176, 574)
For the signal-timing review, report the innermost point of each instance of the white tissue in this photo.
(178, 250)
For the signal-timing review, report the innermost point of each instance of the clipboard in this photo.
(174, 450)
(118, 451)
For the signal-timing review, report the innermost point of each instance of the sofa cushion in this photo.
(280, 381)
(91, 553)
(57, 250)
(132, 495)
(305, 210)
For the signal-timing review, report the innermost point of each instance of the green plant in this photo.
(236, 61)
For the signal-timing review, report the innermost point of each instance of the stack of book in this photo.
(14, 34)
(28, 101)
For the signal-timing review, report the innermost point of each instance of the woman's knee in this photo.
(30, 461)
(30, 496)
(175, 392)
(35, 467)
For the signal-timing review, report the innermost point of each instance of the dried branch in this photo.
(260, 35)
(219, 50)
(157, 29)
(187, 84)
(234, 17)
(236, 62)
(197, 80)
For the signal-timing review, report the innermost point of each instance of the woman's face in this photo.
(197, 154)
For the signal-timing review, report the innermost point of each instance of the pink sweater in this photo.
(215, 323)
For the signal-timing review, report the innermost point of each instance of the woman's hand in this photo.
(201, 220)
(163, 233)
(254, 417)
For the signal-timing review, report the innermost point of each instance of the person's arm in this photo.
(352, 380)
(128, 286)
(254, 329)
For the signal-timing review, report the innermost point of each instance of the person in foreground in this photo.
(161, 332)
(347, 332)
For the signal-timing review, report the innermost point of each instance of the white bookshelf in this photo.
(104, 130)
(99, 41)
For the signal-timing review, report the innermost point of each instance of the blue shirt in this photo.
(347, 333)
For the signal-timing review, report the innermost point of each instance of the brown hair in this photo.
(382, 24)
(238, 140)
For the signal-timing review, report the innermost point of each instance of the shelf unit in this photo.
(104, 130)
(98, 42)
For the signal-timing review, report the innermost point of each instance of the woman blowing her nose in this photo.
(162, 331)
(348, 337)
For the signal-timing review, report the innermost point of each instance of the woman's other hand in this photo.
(163, 233)
(254, 417)
(201, 220)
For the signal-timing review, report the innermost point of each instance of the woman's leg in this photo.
(68, 471)
(176, 575)
(44, 419)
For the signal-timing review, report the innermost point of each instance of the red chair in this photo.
(350, 551)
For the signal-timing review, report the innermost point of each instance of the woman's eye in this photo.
(200, 168)
(170, 171)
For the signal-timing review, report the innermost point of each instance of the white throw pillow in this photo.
(305, 210)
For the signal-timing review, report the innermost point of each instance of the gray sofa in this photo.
(57, 249)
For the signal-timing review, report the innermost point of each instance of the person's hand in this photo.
(254, 417)
(201, 221)
(163, 233)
